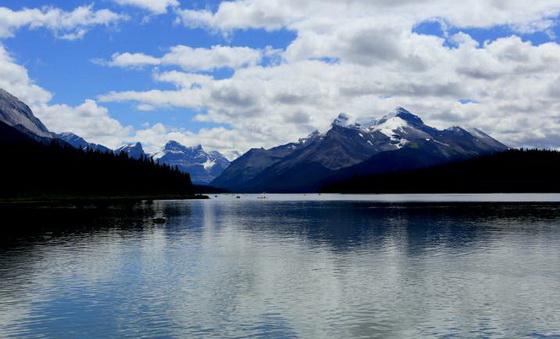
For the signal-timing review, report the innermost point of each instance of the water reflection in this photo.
(281, 269)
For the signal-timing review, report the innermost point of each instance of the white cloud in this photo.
(66, 25)
(183, 80)
(298, 14)
(213, 139)
(154, 6)
(357, 56)
(15, 79)
(131, 60)
(379, 63)
(88, 120)
(269, 15)
(508, 78)
(216, 57)
(191, 59)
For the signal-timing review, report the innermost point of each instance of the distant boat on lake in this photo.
(159, 218)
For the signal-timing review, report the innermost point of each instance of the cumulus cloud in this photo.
(15, 79)
(66, 25)
(154, 6)
(88, 120)
(219, 138)
(183, 80)
(191, 59)
(505, 81)
(130, 60)
(362, 57)
(298, 14)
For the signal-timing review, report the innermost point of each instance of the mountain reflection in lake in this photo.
(281, 268)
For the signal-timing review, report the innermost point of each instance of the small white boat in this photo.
(159, 218)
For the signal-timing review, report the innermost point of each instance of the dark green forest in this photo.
(513, 171)
(31, 169)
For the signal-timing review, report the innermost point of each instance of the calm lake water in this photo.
(284, 266)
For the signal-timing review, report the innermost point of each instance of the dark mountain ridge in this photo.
(79, 142)
(40, 166)
(15, 113)
(396, 141)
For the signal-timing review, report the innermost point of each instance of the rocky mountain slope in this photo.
(80, 143)
(399, 140)
(201, 165)
(15, 113)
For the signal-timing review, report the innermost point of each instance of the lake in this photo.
(284, 266)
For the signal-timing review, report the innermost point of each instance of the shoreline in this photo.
(99, 198)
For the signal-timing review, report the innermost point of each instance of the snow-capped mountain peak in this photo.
(397, 141)
(172, 144)
(400, 113)
(133, 150)
(78, 142)
(346, 121)
(311, 137)
(201, 165)
(390, 125)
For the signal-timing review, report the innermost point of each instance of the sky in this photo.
(233, 75)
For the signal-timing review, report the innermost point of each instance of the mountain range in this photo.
(37, 165)
(397, 141)
(202, 166)
(22, 124)
(79, 143)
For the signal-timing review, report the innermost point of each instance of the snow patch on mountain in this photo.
(209, 164)
(202, 166)
(390, 126)
(80, 143)
(133, 150)
(305, 164)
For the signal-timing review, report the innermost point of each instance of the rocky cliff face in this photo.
(201, 165)
(15, 113)
(134, 151)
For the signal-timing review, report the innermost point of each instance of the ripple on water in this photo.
(227, 268)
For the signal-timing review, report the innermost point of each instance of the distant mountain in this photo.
(512, 171)
(15, 113)
(396, 141)
(37, 165)
(202, 166)
(134, 151)
(80, 143)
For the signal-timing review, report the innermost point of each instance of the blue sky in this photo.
(255, 73)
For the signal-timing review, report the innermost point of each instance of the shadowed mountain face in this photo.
(80, 143)
(39, 165)
(15, 113)
(201, 165)
(397, 141)
(134, 151)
